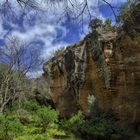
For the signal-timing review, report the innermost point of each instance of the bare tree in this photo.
(78, 10)
(17, 59)
(70, 7)
(23, 3)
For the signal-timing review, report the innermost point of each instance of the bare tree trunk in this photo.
(13, 75)
(3, 106)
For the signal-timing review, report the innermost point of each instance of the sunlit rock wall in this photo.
(106, 65)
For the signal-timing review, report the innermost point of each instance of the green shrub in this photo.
(95, 23)
(46, 116)
(33, 137)
(74, 123)
(24, 116)
(108, 23)
(101, 125)
(126, 10)
(10, 127)
(31, 106)
(41, 137)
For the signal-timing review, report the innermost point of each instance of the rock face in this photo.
(132, 24)
(105, 65)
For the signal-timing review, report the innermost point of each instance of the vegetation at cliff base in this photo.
(28, 114)
(31, 121)
(38, 122)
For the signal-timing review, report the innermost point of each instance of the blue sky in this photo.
(49, 29)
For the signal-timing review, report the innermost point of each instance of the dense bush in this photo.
(101, 126)
(74, 123)
(31, 106)
(46, 116)
(10, 127)
(32, 121)
(108, 23)
(126, 10)
(95, 23)
(36, 122)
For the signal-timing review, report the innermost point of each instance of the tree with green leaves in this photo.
(126, 9)
(108, 23)
(46, 116)
(95, 23)
(10, 127)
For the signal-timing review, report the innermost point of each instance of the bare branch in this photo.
(112, 8)
(18, 59)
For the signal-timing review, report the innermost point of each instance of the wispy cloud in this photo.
(48, 26)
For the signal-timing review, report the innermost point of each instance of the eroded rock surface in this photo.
(104, 64)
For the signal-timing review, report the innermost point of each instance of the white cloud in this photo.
(35, 74)
(2, 31)
(45, 33)
(45, 26)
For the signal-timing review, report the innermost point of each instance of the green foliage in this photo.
(68, 47)
(95, 23)
(42, 123)
(41, 116)
(10, 127)
(24, 116)
(126, 9)
(33, 121)
(33, 137)
(46, 116)
(101, 125)
(108, 23)
(31, 106)
(74, 123)
(41, 137)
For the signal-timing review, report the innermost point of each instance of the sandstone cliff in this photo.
(104, 65)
